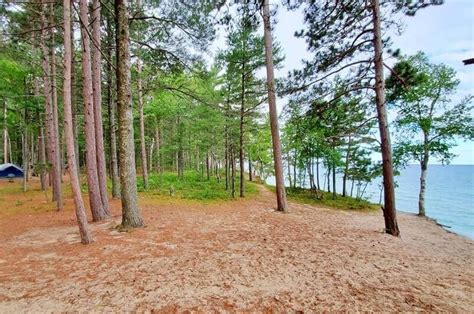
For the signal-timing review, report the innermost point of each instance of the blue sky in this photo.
(445, 33)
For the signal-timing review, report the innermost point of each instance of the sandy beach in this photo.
(231, 256)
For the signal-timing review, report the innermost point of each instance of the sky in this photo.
(445, 33)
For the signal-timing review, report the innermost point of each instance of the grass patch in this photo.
(304, 196)
(193, 186)
(13, 200)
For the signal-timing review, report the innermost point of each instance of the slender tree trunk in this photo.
(5, 133)
(310, 173)
(207, 166)
(74, 105)
(131, 217)
(329, 178)
(97, 103)
(42, 155)
(241, 134)
(280, 181)
(56, 161)
(250, 169)
(112, 108)
(158, 147)
(32, 154)
(142, 125)
(150, 158)
(232, 182)
(226, 155)
(317, 174)
(179, 153)
(294, 170)
(24, 138)
(389, 208)
(289, 167)
(53, 153)
(81, 217)
(424, 170)
(346, 168)
(334, 195)
(95, 199)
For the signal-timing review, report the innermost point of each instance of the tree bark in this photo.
(226, 155)
(42, 155)
(346, 168)
(294, 169)
(5, 133)
(280, 181)
(424, 170)
(250, 169)
(389, 208)
(232, 181)
(131, 217)
(150, 153)
(317, 174)
(289, 167)
(329, 178)
(208, 175)
(241, 128)
(95, 199)
(112, 108)
(57, 164)
(158, 146)
(74, 105)
(24, 146)
(81, 217)
(97, 103)
(53, 154)
(142, 125)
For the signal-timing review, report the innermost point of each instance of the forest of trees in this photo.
(117, 92)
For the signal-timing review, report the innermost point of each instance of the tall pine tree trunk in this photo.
(53, 154)
(389, 208)
(142, 125)
(112, 108)
(57, 164)
(42, 154)
(131, 217)
(95, 199)
(81, 217)
(74, 105)
(280, 181)
(97, 102)
(241, 134)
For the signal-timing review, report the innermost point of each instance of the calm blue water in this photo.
(449, 195)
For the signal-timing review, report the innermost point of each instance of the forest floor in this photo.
(227, 256)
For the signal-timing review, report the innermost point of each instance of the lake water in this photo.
(449, 195)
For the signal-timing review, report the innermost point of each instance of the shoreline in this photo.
(445, 227)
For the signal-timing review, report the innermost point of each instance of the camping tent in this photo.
(10, 171)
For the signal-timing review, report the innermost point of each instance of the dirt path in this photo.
(235, 256)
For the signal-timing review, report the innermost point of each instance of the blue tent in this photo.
(10, 171)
